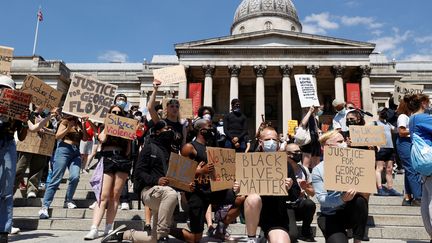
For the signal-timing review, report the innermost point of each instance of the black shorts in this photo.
(385, 154)
(274, 214)
(198, 203)
(116, 163)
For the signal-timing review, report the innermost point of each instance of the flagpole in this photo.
(36, 33)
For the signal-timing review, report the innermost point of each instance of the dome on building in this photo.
(256, 15)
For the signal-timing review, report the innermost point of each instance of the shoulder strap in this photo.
(304, 171)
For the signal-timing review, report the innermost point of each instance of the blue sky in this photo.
(131, 30)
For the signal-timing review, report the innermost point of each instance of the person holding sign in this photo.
(39, 122)
(117, 164)
(172, 118)
(339, 210)
(312, 150)
(153, 186)
(339, 120)
(67, 155)
(8, 158)
(271, 212)
(202, 196)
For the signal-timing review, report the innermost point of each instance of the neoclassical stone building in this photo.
(257, 64)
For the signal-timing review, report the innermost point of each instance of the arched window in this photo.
(293, 28)
(242, 29)
(268, 25)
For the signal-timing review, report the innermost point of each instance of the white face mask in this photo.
(270, 146)
(342, 145)
(207, 117)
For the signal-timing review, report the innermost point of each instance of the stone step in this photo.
(58, 203)
(378, 232)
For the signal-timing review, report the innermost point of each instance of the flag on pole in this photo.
(39, 15)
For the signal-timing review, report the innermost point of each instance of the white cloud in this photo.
(419, 57)
(424, 39)
(377, 32)
(319, 23)
(370, 22)
(113, 56)
(392, 44)
(352, 4)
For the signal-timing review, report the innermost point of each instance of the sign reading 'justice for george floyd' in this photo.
(89, 97)
(347, 168)
(262, 173)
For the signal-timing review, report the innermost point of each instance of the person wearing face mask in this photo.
(117, 164)
(384, 157)
(304, 208)
(420, 124)
(202, 196)
(121, 101)
(270, 212)
(339, 210)
(339, 120)
(151, 183)
(236, 128)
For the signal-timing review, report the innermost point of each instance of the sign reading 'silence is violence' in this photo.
(89, 97)
(262, 173)
(119, 126)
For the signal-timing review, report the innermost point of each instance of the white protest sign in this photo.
(306, 90)
(170, 75)
(6, 56)
(402, 89)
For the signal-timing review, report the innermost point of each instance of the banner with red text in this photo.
(195, 93)
(353, 94)
(14, 104)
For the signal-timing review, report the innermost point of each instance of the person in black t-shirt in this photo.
(236, 128)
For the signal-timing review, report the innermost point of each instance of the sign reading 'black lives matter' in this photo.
(89, 97)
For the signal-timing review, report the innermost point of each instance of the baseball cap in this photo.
(7, 81)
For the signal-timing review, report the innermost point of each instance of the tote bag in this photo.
(96, 181)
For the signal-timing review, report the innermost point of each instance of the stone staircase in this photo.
(387, 218)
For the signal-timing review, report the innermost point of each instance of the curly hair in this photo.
(415, 101)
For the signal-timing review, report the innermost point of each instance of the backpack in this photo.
(421, 155)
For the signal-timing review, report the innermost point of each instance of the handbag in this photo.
(302, 136)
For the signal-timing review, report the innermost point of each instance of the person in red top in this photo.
(86, 146)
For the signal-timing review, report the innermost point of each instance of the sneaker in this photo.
(15, 231)
(124, 206)
(43, 213)
(163, 239)
(70, 205)
(116, 234)
(92, 234)
(252, 240)
(393, 192)
(93, 205)
(31, 195)
(406, 202)
(147, 228)
(381, 192)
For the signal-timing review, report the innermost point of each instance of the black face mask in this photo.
(166, 138)
(208, 134)
(297, 157)
(352, 123)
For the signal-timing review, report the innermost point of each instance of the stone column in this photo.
(234, 82)
(208, 85)
(339, 83)
(286, 96)
(314, 70)
(260, 71)
(182, 90)
(365, 88)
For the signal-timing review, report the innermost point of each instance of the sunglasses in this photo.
(116, 112)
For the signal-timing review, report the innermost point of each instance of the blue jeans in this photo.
(65, 156)
(8, 160)
(412, 179)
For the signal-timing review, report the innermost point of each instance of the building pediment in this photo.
(275, 39)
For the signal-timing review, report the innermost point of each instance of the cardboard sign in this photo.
(14, 104)
(195, 93)
(367, 136)
(224, 161)
(402, 89)
(42, 94)
(37, 143)
(306, 90)
(6, 56)
(347, 168)
(262, 173)
(119, 126)
(186, 110)
(181, 172)
(292, 124)
(89, 97)
(170, 75)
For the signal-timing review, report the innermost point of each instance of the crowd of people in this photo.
(145, 161)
